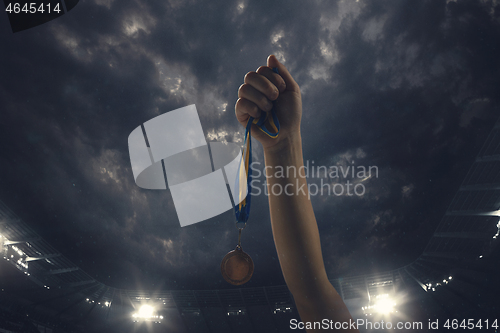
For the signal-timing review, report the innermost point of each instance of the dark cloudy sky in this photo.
(411, 87)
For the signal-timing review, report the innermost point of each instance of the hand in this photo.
(256, 96)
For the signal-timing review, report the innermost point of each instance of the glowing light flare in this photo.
(146, 311)
(15, 248)
(384, 305)
(498, 231)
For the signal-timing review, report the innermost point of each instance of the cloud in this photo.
(410, 87)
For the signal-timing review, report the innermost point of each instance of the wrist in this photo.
(291, 142)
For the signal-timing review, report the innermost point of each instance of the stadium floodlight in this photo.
(4, 244)
(146, 311)
(498, 231)
(384, 304)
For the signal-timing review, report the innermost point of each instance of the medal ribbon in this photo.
(242, 209)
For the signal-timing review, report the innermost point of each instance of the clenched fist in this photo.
(258, 93)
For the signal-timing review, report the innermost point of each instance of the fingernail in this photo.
(276, 93)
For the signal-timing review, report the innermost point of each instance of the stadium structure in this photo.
(455, 278)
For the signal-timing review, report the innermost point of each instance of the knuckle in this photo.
(237, 105)
(261, 69)
(242, 104)
(238, 108)
(249, 75)
(241, 89)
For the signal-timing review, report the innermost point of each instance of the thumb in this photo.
(273, 62)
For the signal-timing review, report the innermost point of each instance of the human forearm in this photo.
(293, 222)
(296, 236)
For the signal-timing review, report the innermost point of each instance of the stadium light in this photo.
(146, 311)
(3, 250)
(498, 231)
(384, 304)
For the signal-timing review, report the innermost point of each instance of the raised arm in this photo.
(294, 226)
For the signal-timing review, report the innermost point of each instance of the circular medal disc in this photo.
(237, 267)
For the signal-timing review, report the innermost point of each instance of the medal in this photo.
(237, 266)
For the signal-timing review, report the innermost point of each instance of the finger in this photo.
(289, 81)
(262, 84)
(273, 77)
(247, 91)
(245, 109)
